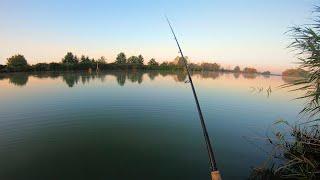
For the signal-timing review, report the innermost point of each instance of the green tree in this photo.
(132, 60)
(236, 69)
(153, 62)
(85, 60)
(179, 61)
(17, 63)
(121, 58)
(210, 66)
(102, 60)
(41, 67)
(135, 60)
(250, 70)
(140, 60)
(69, 58)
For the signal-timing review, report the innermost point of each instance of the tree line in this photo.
(18, 63)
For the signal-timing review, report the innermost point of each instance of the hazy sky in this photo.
(230, 32)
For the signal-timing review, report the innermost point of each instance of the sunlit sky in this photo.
(229, 32)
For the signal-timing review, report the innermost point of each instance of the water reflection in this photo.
(250, 75)
(73, 78)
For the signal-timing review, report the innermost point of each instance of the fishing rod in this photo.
(215, 175)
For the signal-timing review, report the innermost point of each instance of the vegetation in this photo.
(297, 155)
(250, 70)
(17, 63)
(121, 59)
(153, 63)
(266, 73)
(237, 69)
(299, 72)
(71, 62)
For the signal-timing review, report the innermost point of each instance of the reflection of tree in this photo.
(180, 76)
(101, 76)
(152, 74)
(135, 76)
(249, 75)
(71, 78)
(209, 74)
(121, 78)
(266, 75)
(290, 80)
(236, 75)
(2, 76)
(51, 75)
(19, 79)
(165, 73)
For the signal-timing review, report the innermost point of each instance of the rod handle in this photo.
(215, 175)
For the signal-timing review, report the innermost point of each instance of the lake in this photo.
(136, 125)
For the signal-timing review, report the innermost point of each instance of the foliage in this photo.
(210, 67)
(297, 156)
(179, 61)
(236, 69)
(135, 60)
(153, 62)
(266, 73)
(295, 73)
(250, 70)
(41, 67)
(72, 62)
(121, 58)
(17, 63)
(102, 60)
(69, 58)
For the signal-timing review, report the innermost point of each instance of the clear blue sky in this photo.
(230, 32)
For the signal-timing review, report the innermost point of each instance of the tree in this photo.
(210, 66)
(236, 69)
(295, 73)
(41, 67)
(121, 58)
(136, 60)
(179, 61)
(153, 62)
(140, 60)
(250, 70)
(132, 60)
(164, 64)
(69, 58)
(102, 60)
(267, 73)
(17, 63)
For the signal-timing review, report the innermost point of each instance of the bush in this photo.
(295, 73)
(41, 67)
(17, 63)
(55, 66)
(250, 70)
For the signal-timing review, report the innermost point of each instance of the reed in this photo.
(296, 151)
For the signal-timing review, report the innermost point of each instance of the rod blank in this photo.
(214, 170)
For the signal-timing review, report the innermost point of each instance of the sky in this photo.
(228, 32)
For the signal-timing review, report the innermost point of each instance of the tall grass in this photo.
(296, 152)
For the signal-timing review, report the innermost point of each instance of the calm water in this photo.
(135, 125)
